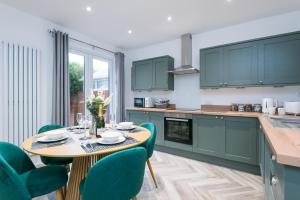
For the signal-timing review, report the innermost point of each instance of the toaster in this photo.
(292, 107)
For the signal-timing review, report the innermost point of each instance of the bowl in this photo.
(55, 134)
(125, 125)
(111, 136)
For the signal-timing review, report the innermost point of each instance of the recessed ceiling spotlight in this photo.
(169, 18)
(129, 31)
(88, 8)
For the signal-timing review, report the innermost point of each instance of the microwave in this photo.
(139, 102)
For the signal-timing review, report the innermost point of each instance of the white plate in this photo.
(102, 141)
(45, 139)
(126, 128)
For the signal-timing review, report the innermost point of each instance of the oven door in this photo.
(179, 130)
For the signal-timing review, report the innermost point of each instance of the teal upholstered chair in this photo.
(53, 161)
(149, 145)
(20, 180)
(119, 176)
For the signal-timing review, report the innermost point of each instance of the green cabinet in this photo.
(211, 74)
(241, 140)
(281, 182)
(279, 60)
(142, 72)
(208, 135)
(232, 138)
(152, 74)
(240, 64)
(272, 61)
(139, 117)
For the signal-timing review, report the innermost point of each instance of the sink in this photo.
(285, 121)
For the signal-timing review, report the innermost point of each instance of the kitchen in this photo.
(239, 111)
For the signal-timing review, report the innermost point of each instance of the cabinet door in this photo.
(279, 60)
(137, 117)
(241, 139)
(143, 75)
(211, 68)
(161, 75)
(241, 64)
(158, 120)
(208, 133)
(261, 143)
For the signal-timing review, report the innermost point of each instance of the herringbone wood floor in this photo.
(185, 179)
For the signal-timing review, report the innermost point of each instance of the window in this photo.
(76, 73)
(89, 71)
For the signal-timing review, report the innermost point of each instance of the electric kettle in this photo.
(266, 104)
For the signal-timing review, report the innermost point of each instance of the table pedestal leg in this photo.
(80, 167)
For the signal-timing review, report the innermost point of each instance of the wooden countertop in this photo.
(284, 142)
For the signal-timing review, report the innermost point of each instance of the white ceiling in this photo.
(110, 20)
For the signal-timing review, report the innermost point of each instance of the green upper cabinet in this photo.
(208, 135)
(240, 64)
(279, 60)
(211, 74)
(272, 61)
(241, 139)
(142, 75)
(152, 74)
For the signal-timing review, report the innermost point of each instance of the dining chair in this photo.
(116, 176)
(49, 160)
(21, 180)
(149, 145)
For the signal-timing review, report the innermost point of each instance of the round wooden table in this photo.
(82, 161)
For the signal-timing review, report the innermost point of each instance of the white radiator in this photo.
(20, 92)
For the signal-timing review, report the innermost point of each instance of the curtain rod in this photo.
(94, 46)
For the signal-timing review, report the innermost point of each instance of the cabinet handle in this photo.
(225, 83)
(261, 82)
(217, 117)
(273, 157)
(274, 180)
(222, 117)
(260, 127)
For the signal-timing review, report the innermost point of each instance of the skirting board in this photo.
(253, 169)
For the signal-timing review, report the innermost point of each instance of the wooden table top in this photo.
(74, 149)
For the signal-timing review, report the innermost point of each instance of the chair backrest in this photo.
(11, 186)
(149, 144)
(116, 177)
(49, 127)
(16, 157)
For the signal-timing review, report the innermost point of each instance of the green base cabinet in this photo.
(232, 138)
(272, 61)
(139, 117)
(281, 182)
(241, 139)
(208, 135)
(152, 74)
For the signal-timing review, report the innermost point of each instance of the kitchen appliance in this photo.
(149, 102)
(266, 104)
(139, 102)
(292, 107)
(257, 108)
(186, 57)
(178, 128)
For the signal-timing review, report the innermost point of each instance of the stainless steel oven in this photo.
(179, 128)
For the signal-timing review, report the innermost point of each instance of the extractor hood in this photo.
(186, 57)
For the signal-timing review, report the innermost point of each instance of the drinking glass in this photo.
(112, 121)
(79, 119)
(87, 120)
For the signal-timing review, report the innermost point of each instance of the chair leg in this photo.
(60, 194)
(151, 172)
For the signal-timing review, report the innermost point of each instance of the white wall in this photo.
(22, 28)
(187, 92)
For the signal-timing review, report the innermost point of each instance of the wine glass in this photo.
(87, 121)
(79, 119)
(112, 121)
